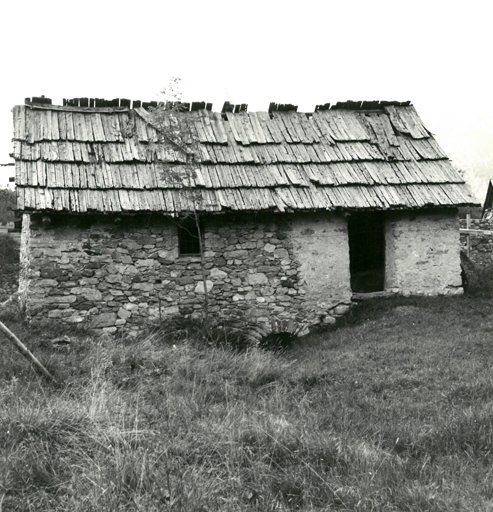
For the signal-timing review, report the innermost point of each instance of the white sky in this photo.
(436, 54)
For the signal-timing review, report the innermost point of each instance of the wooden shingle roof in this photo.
(113, 159)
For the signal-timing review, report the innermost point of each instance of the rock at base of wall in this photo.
(103, 320)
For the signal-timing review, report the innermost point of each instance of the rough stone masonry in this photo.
(109, 276)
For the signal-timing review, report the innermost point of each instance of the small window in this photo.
(188, 237)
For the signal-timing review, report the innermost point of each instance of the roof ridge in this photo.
(123, 104)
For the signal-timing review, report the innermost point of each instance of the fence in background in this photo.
(476, 236)
(16, 235)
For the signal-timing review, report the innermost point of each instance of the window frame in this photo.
(188, 237)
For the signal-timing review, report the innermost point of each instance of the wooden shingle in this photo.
(115, 159)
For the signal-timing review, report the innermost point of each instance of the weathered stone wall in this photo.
(321, 245)
(481, 244)
(109, 276)
(423, 253)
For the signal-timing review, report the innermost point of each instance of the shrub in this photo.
(9, 267)
(477, 278)
(9, 250)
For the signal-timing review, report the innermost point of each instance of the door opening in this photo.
(367, 251)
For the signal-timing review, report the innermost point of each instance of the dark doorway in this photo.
(188, 238)
(367, 251)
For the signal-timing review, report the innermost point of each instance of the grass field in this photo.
(391, 412)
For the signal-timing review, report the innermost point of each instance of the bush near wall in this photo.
(7, 205)
(9, 266)
(478, 266)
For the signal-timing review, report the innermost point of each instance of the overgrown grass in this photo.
(391, 412)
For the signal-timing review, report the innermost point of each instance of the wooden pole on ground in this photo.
(25, 351)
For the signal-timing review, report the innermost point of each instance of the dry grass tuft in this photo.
(391, 412)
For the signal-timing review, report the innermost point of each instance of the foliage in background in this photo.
(9, 266)
(475, 212)
(9, 251)
(7, 205)
(477, 277)
(392, 412)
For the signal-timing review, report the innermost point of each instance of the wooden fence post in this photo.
(468, 226)
(25, 351)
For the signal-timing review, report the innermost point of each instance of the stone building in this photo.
(298, 211)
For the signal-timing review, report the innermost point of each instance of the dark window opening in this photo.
(367, 252)
(188, 237)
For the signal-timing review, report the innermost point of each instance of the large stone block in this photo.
(124, 313)
(145, 287)
(168, 254)
(170, 311)
(90, 294)
(199, 288)
(52, 253)
(61, 299)
(257, 278)
(130, 244)
(341, 309)
(89, 281)
(51, 272)
(218, 274)
(282, 253)
(147, 263)
(103, 320)
(44, 283)
(129, 270)
(241, 253)
(75, 318)
(55, 313)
